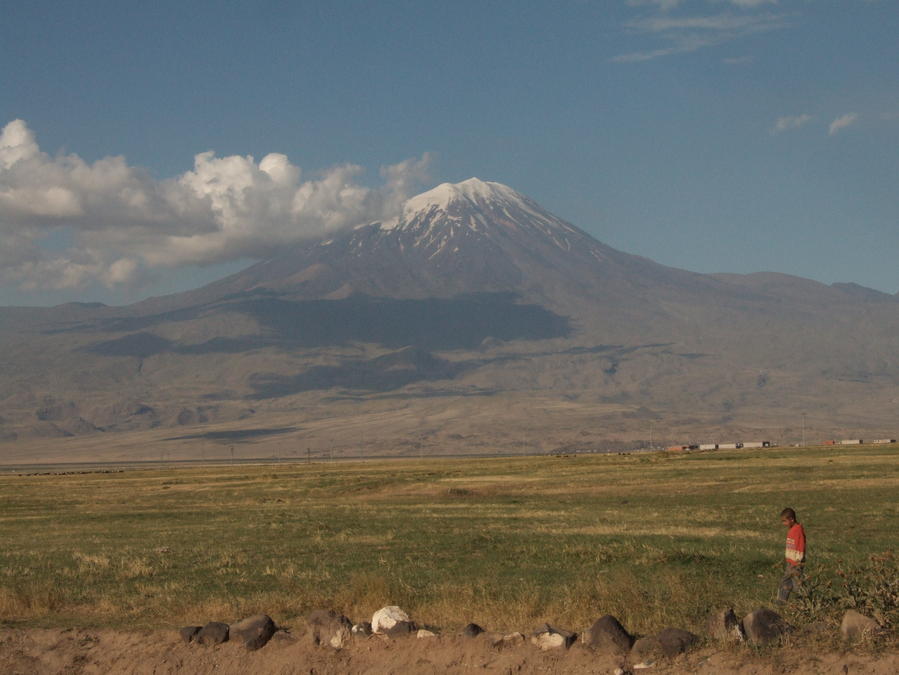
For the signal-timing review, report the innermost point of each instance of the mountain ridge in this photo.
(496, 297)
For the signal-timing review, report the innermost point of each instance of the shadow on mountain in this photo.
(141, 345)
(384, 373)
(432, 324)
(234, 435)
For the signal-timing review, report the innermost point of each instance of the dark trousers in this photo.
(790, 582)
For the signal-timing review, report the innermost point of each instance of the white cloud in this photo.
(685, 34)
(842, 122)
(664, 5)
(790, 122)
(119, 222)
(752, 3)
(668, 5)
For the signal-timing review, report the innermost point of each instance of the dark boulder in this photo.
(401, 629)
(646, 650)
(472, 630)
(724, 626)
(254, 632)
(363, 628)
(213, 633)
(329, 628)
(324, 617)
(283, 638)
(607, 634)
(763, 626)
(667, 643)
(188, 633)
(675, 641)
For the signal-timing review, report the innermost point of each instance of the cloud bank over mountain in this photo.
(65, 222)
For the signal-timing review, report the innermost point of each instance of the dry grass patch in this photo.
(508, 543)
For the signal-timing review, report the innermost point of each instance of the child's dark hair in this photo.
(788, 513)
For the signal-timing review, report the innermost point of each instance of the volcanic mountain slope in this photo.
(473, 290)
(465, 238)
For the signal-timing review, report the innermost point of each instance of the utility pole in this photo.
(803, 430)
(650, 435)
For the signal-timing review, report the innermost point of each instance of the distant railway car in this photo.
(728, 446)
(852, 441)
(884, 441)
(677, 448)
(831, 442)
(708, 446)
(755, 444)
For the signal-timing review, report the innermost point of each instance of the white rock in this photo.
(425, 633)
(386, 618)
(508, 640)
(547, 641)
(340, 638)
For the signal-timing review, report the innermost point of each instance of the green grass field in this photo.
(655, 539)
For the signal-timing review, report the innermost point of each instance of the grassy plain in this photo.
(656, 539)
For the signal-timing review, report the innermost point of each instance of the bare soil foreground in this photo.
(73, 652)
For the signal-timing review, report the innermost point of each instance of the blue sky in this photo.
(712, 135)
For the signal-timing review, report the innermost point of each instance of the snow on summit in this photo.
(473, 190)
(484, 207)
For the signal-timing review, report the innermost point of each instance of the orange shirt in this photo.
(795, 553)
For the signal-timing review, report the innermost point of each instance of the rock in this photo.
(608, 634)
(329, 628)
(386, 617)
(340, 637)
(472, 630)
(423, 633)
(646, 650)
(188, 633)
(400, 629)
(213, 633)
(546, 637)
(856, 626)
(508, 640)
(763, 626)
(254, 632)
(363, 628)
(325, 617)
(675, 641)
(547, 641)
(282, 638)
(724, 626)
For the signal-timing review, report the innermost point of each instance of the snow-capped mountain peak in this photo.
(470, 237)
(471, 192)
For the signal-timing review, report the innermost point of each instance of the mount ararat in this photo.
(474, 322)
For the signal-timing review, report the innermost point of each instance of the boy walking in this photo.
(795, 555)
